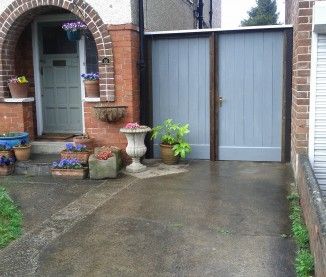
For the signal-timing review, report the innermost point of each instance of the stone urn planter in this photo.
(136, 147)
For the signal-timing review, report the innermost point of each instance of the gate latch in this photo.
(220, 101)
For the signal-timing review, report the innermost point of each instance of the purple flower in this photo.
(74, 26)
(4, 161)
(67, 164)
(90, 76)
(78, 148)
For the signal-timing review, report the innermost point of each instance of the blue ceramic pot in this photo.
(15, 139)
(73, 35)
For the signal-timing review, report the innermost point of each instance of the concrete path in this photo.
(218, 219)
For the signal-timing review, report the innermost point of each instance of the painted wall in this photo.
(111, 11)
(159, 15)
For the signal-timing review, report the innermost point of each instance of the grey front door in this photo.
(60, 81)
(250, 78)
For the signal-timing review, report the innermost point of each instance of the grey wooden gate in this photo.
(245, 69)
(180, 81)
(250, 78)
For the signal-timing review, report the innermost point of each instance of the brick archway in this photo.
(19, 13)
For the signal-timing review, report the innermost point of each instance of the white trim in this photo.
(37, 78)
(312, 101)
(82, 66)
(36, 65)
(92, 99)
(18, 100)
(264, 27)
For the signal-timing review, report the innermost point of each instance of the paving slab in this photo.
(217, 219)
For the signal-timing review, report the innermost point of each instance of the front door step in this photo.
(39, 165)
(47, 147)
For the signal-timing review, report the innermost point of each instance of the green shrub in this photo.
(304, 263)
(10, 219)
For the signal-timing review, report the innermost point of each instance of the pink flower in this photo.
(131, 125)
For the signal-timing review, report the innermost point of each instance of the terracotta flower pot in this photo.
(89, 142)
(7, 153)
(167, 154)
(18, 90)
(7, 170)
(23, 153)
(92, 88)
(82, 157)
(78, 174)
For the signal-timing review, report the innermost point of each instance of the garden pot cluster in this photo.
(78, 162)
(16, 146)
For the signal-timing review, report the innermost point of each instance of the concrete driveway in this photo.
(218, 219)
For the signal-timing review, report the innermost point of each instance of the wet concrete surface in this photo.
(218, 219)
(40, 197)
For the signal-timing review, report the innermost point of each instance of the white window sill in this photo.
(92, 99)
(18, 100)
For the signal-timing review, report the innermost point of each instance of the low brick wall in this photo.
(314, 211)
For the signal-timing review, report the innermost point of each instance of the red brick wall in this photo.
(314, 213)
(17, 117)
(299, 13)
(125, 40)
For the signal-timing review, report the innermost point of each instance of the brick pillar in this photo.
(17, 117)
(300, 15)
(125, 39)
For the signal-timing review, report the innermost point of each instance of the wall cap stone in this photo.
(17, 100)
(315, 192)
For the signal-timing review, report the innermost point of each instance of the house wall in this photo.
(299, 13)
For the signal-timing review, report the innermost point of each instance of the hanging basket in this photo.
(108, 113)
(73, 35)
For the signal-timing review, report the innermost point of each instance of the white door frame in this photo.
(37, 70)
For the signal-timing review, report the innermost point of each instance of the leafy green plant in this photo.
(304, 262)
(171, 133)
(10, 219)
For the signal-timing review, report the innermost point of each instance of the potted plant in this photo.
(22, 151)
(92, 85)
(173, 144)
(7, 166)
(78, 152)
(103, 164)
(136, 147)
(74, 29)
(18, 87)
(12, 138)
(69, 168)
(85, 140)
(6, 150)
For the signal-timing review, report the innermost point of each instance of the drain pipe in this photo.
(211, 14)
(200, 17)
(141, 63)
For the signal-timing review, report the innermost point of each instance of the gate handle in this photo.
(220, 101)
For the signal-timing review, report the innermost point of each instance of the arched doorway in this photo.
(19, 16)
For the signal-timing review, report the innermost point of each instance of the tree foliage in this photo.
(265, 13)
